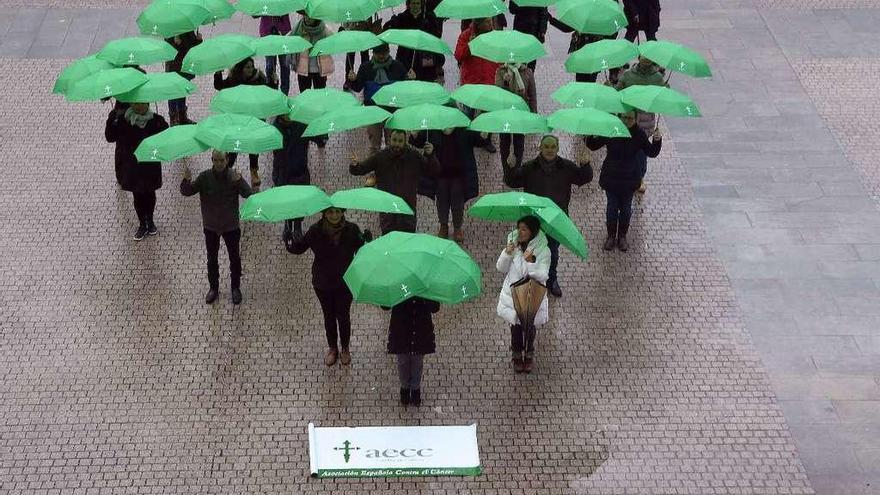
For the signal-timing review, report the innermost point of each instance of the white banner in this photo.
(393, 452)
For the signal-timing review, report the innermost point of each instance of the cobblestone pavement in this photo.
(114, 374)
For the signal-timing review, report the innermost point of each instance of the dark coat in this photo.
(331, 260)
(648, 12)
(412, 329)
(530, 20)
(578, 40)
(430, 24)
(460, 164)
(187, 42)
(366, 79)
(259, 79)
(621, 170)
(132, 175)
(218, 197)
(399, 174)
(290, 164)
(554, 182)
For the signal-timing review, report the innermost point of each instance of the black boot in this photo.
(611, 240)
(183, 119)
(416, 397)
(404, 396)
(622, 230)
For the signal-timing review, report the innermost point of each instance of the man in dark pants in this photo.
(219, 189)
(530, 20)
(551, 176)
(642, 15)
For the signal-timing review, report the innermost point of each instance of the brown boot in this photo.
(528, 365)
(458, 236)
(443, 233)
(330, 356)
(173, 118)
(518, 365)
(611, 240)
(345, 356)
(622, 230)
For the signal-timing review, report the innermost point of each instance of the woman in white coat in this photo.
(526, 255)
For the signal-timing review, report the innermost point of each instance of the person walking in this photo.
(373, 25)
(334, 242)
(177, 110)
(519, 80)
(398, 169)
(642, 15)
(277, 25)
(290, 164)
(526, 255)
(475, 70)
(410, 338)
(218, 190)
(551, 176)
(621, 174)
(312, 72)
(530, 20)
(644, 73)
(578, 40)
(128, 126)
(426, 65)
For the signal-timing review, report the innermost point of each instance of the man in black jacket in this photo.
(426, 65)
(551, 176)
(530, 20)
(219, 189)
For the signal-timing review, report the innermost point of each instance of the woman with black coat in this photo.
(621, 175)
(410, 337)
(334, 242)
(127, 126)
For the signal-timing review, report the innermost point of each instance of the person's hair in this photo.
(476, 23)
(549, 136)
(398, 131)
(325, 210)
(222, 153)
(383, 48)
(237, 72)
(532, 222)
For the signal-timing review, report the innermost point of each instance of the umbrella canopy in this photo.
(407, 93)
(257, 101)
(387, 4)
(345, 42)
(427, 116)
(238, 133)
(171, 144)
(510, 122)
(269, 7)
(401, 265)
(105, 84)
(137, 51)
(346, 119)
(160, 86)
(592, 16)
(601, 55)
(589, 95)
(488, 97)
(658, 99)
(676, 57)
(416, 39)
(216, 54)
(284, 203)
(313, 103)
(558, 225)
(220, 10)
(370, 199)
(469, 9)
(342, 10)
(507, 47)
(276, 44)
(167, 18)
(534, 3)
(508, 206)
(588, 122)
(79, 70)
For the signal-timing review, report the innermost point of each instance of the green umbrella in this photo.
(167, 18)
(238, 133)
(160, 86)
(244, 39)
(510, 122)
(284, 203)
(588, 122)
(488, 97)
(245, 99)
(342, 10)
(427, 116)
(592, 16)
(589, 95)
(269, 7)
(370, 199)
(313, 103)
(214, 55)
(508, 206)
(534, 3)
(276, 44)
(171, 144)
(105, 84)
(137, 51)
(346, 119)
(401, 265)
(658, 99)
(507, 47)
(345, 42)
(416, 39)
(676, 57)
(388, 4)
(601, 55)
(469, 9)
(220, 10)
(406, 93)
(79, 70)
(556, 224)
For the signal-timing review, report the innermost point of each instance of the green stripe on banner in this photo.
(398, 472)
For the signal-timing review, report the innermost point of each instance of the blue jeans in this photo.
(553, 244)
(284, 63)
(619, 207)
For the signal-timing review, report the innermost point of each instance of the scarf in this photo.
(137, 119)
(311, 33)
(381, 70)
(334, 232)
(516, 80)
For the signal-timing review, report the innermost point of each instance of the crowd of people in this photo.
(439, 165)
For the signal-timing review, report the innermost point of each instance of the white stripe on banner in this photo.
(393, 452)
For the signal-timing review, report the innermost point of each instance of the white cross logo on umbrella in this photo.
(604, 63)
(405, 289)
(332, 125)
(155, 29)
(616, 24)
(616, 131)
(258, 212)
(284, 47)
(424, 123)
(506, 126)
(688, 110)
(580, 102)
(131, 57)
(393, 100)
(510, 56)
(265, 9)
(522, 200)
(497, 10)
(155, 153)
(237, 145)
(463, 291)
(396, 208)
(348, 15)
(107, 89)
(681, 65)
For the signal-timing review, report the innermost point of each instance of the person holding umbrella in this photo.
(334, 242)
(475, 70)
(218, 190)
(290, 164)
(525, 256)
(530, 20)
(519, 80)
(312, 72)
(373, 25)
(621, 175)
(410, 338)
(551, 176)
(426, 65)
(127, 126)
(644, 73)
(578, 40)
(183, 43)
(275, 25)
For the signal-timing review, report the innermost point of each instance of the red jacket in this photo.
(474, 70)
